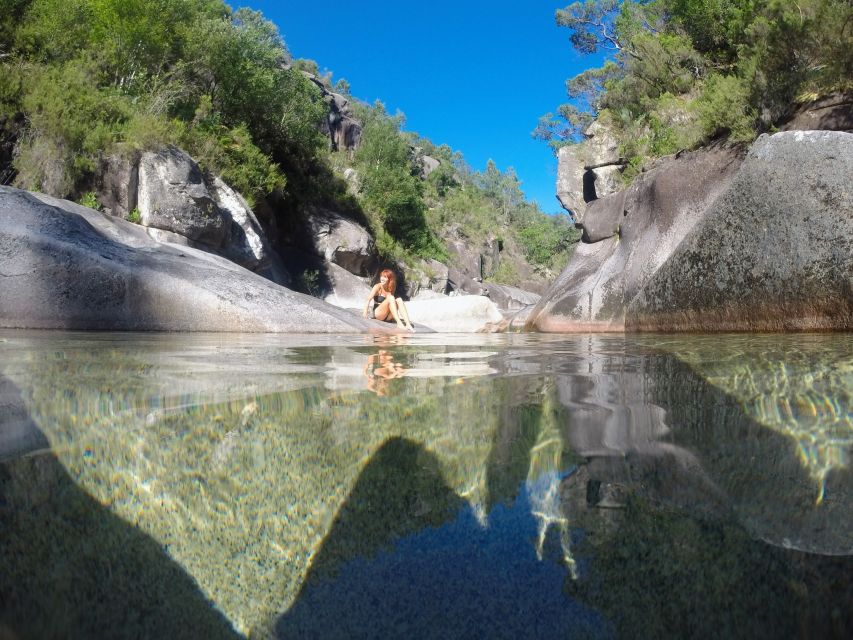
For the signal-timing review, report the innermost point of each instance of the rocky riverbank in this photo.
(719, 239)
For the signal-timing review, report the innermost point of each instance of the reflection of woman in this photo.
(379, 369)
(388, 308)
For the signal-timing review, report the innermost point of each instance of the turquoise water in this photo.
(448, 486)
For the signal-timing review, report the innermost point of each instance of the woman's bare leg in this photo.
(382, 310)
(404, 313)
(395, 314)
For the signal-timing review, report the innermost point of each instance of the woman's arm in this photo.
(369, 298)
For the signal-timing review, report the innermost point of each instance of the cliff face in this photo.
(713, 241)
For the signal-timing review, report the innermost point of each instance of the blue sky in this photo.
(471, 74)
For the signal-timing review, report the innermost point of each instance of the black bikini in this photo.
(379, 299)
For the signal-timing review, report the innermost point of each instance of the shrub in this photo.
(90, 199)
(71, 122)
(724, 107)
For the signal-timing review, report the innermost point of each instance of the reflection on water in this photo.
(379, 369)
(777, 382)
(441, 486)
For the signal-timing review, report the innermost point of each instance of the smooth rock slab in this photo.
(457, 314)
(657, 212)
(775, 252)
(63, 266)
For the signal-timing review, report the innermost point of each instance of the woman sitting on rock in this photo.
(388, 308)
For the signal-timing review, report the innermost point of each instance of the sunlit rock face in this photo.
(343, 129)
(588, 170)
(342, 241)
(644, 226)
(708, 242)
(179, 203)
(173, 196)
(69, 267)
(775, 252)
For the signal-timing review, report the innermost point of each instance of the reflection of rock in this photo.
(780, 495)
(452, 578)
(691, 444)
(662, 573)
(70, 567)
(19, 435)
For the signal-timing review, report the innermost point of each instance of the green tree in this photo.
(731, 67)
(390, 187)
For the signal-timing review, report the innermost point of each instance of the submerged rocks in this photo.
(705, 244)
(67, 267)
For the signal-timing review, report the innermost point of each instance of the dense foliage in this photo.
(684, 71)
(95, 78)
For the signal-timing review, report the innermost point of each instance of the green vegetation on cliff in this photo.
(685, 71)
(97, 77)
(90, 79)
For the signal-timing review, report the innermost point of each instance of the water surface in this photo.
(452, 486)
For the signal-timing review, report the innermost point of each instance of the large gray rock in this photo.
(588, 170)
(658, 211)
(832, 113)
(459, 284)
(118, 184)
(603, 217)
(349, 291)
(570, 179)
(67, 267)
(600, 147)
(467, 261)
(428, 164)
(461, 314)
(775, 252)
(607, 180)
(509, 298)
(706, 244)
(435, 276)
(342, 241)
(173, 196)
(343, 129)
(248, 245)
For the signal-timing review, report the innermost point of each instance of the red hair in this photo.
(392, 280)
